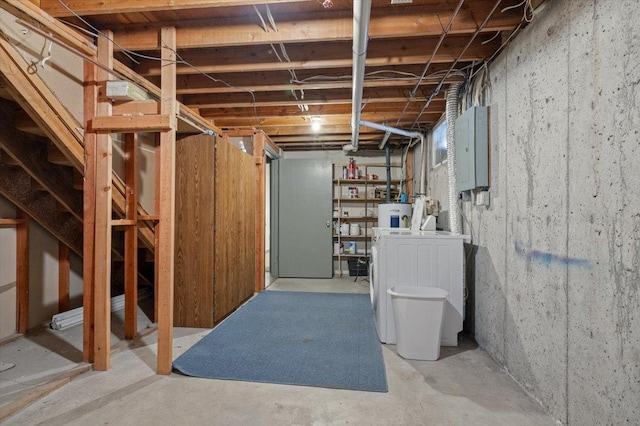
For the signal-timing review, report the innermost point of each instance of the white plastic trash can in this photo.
(418, 313)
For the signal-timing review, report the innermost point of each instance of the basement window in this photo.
(439, 143)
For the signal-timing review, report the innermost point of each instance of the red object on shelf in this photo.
(352, 169)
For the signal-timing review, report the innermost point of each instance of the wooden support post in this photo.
(131, 237)
(64, 269)
(166, 238)
(22, 273)
(89, 200)
(410, 173)
(103, 191)
(156, 229)
(259, 155)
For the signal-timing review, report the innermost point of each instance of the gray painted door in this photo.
(305, 244)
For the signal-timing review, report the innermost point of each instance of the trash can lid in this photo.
(415, 292)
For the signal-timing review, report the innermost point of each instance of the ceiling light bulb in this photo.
(328, 4)
(315, 124)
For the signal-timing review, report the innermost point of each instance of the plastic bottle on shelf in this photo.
(352, 168)
(345, 173)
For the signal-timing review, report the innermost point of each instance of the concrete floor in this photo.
(464, 387)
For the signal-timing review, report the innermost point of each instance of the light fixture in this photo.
(315, 124)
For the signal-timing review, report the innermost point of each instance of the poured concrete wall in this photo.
(557, 267)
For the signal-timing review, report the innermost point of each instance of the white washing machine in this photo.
(417, 258)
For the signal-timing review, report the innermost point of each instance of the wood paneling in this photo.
(193, 306)
(235, 189)
(215, 230)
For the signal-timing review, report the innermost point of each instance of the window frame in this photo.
(434, 142)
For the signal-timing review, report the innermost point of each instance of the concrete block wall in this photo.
(557, 266)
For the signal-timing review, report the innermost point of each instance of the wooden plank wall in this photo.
(235, 205)
(193, 303)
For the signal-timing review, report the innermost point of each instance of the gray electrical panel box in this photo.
(472, 149)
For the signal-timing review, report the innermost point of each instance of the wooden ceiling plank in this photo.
(99, 7)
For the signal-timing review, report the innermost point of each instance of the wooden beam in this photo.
(387, 53)
(136, 108)
(423, 21)
(10, 222)
(166, 238)
(341, 96)
(37, 99)
(40, 103)
(22, 273)
(156, 225)
(90, 98)
(15, 185)
(34, 15)
(133, 123)
(260, 156)
(326, 120)
(96, 7)
(373, 107)
(64, 271)
(103, 191)
(131, 237)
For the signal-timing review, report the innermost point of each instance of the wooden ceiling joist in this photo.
(84, 7)
(324, 27)
(380, 53)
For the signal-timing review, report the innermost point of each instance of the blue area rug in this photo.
(296, 338)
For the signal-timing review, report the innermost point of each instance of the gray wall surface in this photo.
(557, 266)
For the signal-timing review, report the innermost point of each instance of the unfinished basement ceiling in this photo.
(277, 65)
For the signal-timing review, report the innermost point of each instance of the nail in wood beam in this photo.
(103, 194)
(22, 273)
(89, 187)
(131, 237)
(165, 277)
(64, 269)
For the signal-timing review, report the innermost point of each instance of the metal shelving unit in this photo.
(340, 202)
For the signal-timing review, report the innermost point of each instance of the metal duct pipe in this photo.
(361, 14)
(452, 113)
(412, 135)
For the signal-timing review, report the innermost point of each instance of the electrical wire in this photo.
(181, 61)
(455, 62)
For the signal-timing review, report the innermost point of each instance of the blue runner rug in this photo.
(296, 338)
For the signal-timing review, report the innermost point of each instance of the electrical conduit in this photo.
(361, 14)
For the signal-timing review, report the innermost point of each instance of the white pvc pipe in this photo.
(361, 14)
